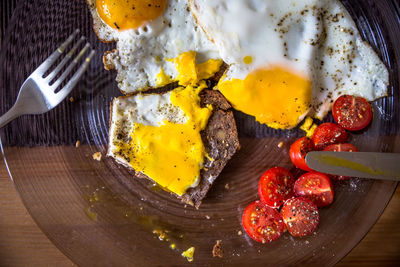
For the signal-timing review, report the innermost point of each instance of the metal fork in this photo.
(38, 94)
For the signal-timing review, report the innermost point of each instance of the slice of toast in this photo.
(220, 139)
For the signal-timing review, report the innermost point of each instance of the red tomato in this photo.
(275, 186)
(298, 152)
(327, 134)
(262, 223)
(315, 186)
(300, 216)
(352, 112)
(344, 148)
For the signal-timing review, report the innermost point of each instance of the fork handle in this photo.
(9, 116)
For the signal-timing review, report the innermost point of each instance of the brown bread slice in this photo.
(221, 141)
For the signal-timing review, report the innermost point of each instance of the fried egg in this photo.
(147, 32)
(159, 135)
(289, 59)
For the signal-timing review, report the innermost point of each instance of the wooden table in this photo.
(23, 244)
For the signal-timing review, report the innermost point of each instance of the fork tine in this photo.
(53, 57)
(75, 78)
(65, 60)
(70, 67)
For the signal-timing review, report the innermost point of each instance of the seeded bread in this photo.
(221, 141)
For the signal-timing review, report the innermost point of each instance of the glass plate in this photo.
(97, 213)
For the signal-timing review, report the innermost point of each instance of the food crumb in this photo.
(77, 144)
(217, 250)
(71, 99)
(227, 187)
(208, 217)
(280, 144)
(162, 236)
(172, 246)
(188, 254)
(97, 156)
(240, 232)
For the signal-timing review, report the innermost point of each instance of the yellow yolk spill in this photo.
(309, 127)
(274, 96)
(173, 154)
(129, 14)
(188, 254)
(190, 73)
(207, 69)
(162, 78)
(247, 60)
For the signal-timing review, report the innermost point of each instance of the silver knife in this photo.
(382, 166)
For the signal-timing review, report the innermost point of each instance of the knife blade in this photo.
(381, 166)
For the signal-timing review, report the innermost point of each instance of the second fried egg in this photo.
(289, 59)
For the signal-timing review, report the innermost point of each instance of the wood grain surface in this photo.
(23, 244)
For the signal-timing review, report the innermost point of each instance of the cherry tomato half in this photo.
(298, 152)
(327, 134)
(353, 113)
(315, 186)
(275, 186)
(344, 148)
(300, 216)
(262, 223)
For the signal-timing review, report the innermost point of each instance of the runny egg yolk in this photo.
(190, 72)
(173, 154)
(129, 14)
(274, 96)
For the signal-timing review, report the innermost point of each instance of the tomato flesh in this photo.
(327, 134)
(353, 113)
(300, 215)
(338, 148)
(315, 186)
(298, 152)
(275, 186)
(262, 223)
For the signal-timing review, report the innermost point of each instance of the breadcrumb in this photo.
(77, 144)
(97, 156)
(240, 232)
(280, 144)
(217, 250)
(227, 186)
(71, 99)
